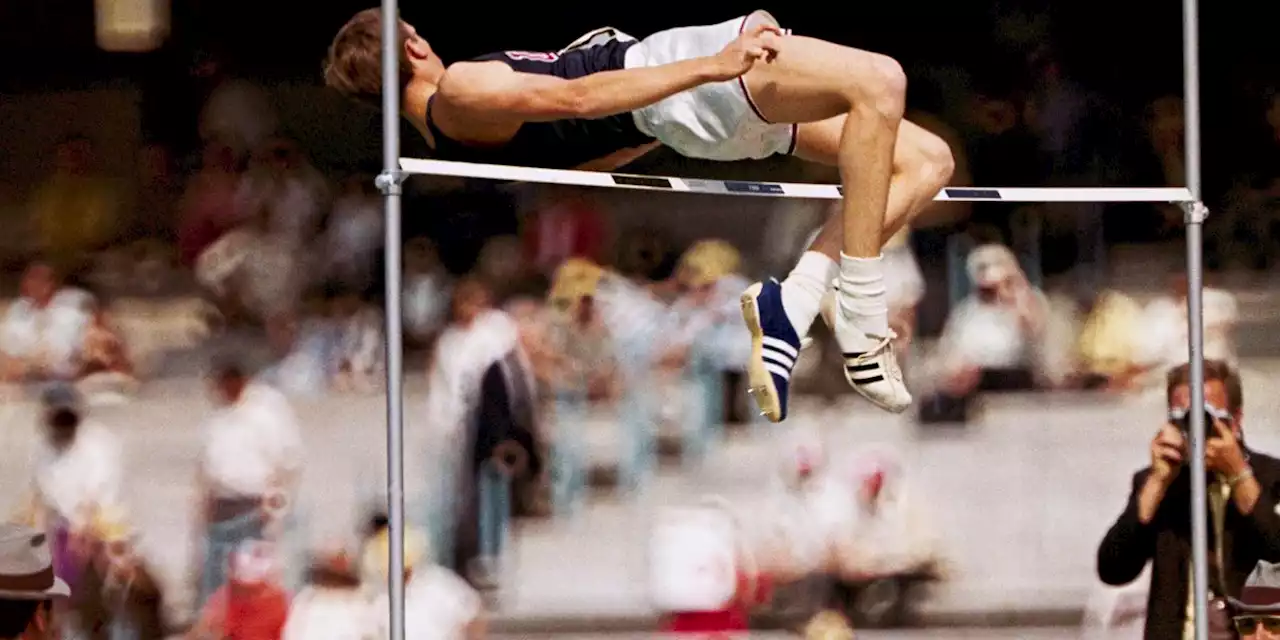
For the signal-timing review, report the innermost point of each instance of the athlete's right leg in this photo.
(812, 81)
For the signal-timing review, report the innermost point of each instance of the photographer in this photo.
(1156, 524)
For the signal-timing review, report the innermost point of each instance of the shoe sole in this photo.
(761, 388)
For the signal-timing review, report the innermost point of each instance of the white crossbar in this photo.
(781, 189)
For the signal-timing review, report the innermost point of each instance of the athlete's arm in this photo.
(495, 90)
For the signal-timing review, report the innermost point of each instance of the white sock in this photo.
(804, 287)
(862, 294)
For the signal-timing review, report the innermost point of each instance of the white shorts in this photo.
(716, 121)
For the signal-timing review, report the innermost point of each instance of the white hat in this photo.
(26, 566)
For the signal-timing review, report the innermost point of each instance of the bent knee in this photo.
(881, 84)
(931, 159)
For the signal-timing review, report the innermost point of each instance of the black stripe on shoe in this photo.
(864, 367)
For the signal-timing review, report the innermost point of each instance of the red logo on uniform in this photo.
(536, 56)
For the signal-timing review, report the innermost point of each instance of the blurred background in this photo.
(190, 215)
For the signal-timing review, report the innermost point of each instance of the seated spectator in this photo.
(1108, 346)
(1159, 337)
(105, 365)
(1155, 525)
(994, 338)
(42, 333)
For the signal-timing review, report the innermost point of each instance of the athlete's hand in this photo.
(760, 42)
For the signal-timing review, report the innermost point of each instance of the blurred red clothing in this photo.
(257, 612)
(563, 231)
(731, 619)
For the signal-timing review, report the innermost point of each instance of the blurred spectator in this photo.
(501, 265)
(105, 365)
(712, 338)
(477, 336)
(1155, 525)
(251, 460)
(581, 362)
(905, 284)
(304, 351)
(710, 569)
(251, 605)
(332, 605)
(426, 291)
(1161, 336)
(994, 338)
(1109, 345)
(438, 605)
(42, 333)
(293, 194)
(354, 236)
(119, 596)
(212, 204)
(237, 113)
(360, 344)
(272, 274)
(504, 449)
(79, 474)
(568, 224)
(77, 210)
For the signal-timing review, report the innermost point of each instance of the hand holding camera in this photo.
(1223, 452)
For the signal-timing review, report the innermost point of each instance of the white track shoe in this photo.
(870, 365)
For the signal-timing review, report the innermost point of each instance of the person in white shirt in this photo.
(477, 336)
(332, 606)
(998, 327)
(438, 605)
(78, 476)
(251, 458)
(42, 333)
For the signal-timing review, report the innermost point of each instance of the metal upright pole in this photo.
(389, 183)
(1195, 216)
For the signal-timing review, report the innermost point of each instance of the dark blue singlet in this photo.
(562, 144)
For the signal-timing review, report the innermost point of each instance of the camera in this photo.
(1181, 418)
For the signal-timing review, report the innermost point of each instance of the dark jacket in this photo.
(1166, 541)
(504, 420)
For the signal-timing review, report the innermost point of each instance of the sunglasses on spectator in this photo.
(1246, 625)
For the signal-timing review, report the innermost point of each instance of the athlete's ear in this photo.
(416, 48)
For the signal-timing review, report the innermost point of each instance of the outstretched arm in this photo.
(494, 90)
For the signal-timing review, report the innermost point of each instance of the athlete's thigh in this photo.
(820, 142)
(811, 79)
